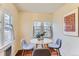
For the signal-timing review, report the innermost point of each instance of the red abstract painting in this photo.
(69, 22)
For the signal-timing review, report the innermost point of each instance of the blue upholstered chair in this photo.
(26, 46)
(56, 45)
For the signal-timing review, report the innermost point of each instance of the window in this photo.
(39, 27)
(0, 31)
(47, 29)
(6, 29)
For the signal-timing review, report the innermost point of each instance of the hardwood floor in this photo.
(53, 52)
(24, 53)
(29, 52)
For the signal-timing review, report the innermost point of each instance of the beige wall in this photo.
(69, 43)
(22, 22)
(26, 22)
(13, 11)
(23, 27)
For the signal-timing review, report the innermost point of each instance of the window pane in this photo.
(6, 19)
(37, 23)
(0, 37)
(36, 32)
(37, 27)
(0, 32)
(0, 26)
(47, 29)
(42, 27)
(46, 24)
(47, 34)
(7, 35)
(7, 28)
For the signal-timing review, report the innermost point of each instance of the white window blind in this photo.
(39, 27)
(7, 28)
(6, 34)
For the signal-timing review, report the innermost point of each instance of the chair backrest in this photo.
(24, 44)
(41, 52)
(58, 42)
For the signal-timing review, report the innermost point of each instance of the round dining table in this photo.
(41, 43)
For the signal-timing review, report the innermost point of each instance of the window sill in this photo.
(5, 46)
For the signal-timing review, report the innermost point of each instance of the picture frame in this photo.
(70, 23)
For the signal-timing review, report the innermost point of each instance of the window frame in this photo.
(3, 42)
(42, 29)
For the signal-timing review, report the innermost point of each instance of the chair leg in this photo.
(58, 52)
(23, 52)
(42, 45)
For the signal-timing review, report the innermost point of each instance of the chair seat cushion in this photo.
(53, 46)
(56, 44)
(28, 47)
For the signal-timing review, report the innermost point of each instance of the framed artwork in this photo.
(70, 26)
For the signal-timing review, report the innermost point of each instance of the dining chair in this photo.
(56, 45)
(41, 52)
(27, 46)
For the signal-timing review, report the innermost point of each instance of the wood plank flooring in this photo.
(29, 52)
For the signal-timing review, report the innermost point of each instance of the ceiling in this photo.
(39, 7)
